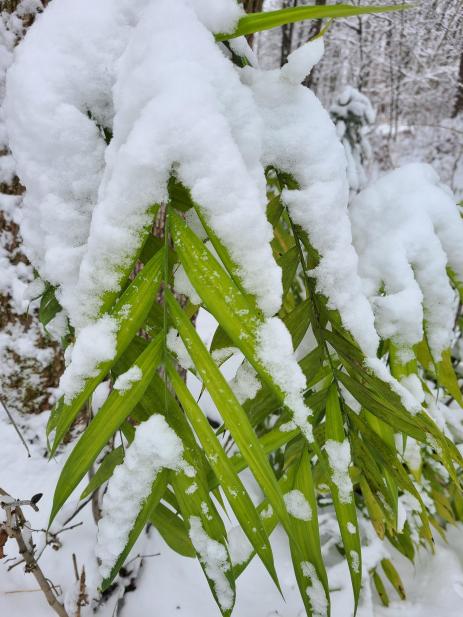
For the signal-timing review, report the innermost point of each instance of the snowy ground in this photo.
(170, 586)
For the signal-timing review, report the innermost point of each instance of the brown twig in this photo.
(13, 526)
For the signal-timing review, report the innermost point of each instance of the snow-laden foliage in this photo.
(407, 232)
(147, 117)
(155, 447)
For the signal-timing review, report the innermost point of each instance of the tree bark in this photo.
(459, 100)
(252, 6)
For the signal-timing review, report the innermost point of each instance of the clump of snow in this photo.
(245, 384)
(214, 558)
(239, 547)
(275, 351)
(315, 590)
(99, 396)
(355, 561)
(302, 61)
(176, 345)
(300, 139)
(381, 370)
(407, 230)
(95, 344)
(125, 381)
(351, 528)
(297, 505)
(88, 203)
(339, 460)
(183, 286)
(155, 447)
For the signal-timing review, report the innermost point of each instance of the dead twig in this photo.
(13, 528)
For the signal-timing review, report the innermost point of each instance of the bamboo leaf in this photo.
(173, 531)
(104, 472)
(157, 491)
(130, 312)
(108, 419)
(305, 548)
(233, 414)
(344, 503)
(230, 483)
(256, 22)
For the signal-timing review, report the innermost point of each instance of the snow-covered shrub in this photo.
(150, 108)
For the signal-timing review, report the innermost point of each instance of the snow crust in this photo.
(96, 344)
(275, 350)
(155, 447)
(315, 590)
(297, 505)
(407, 230)
(339, 460)
(214, 557)
(125, 381)
(300, 139)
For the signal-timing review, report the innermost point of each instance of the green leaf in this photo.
(130, 312)
(305, 548)
(173, 531)
(346, 512)
(230, 483)
(49, 305)
(233, 414)
(157, 491)
(106, 422)
(256, 22)
(104, 472)
(447, 378)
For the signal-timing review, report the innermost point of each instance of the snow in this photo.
(213, 556)
(239, 547)
(125, 381)
(315, 590)
(275, 351)
(183, 286)
(176, 345)
(154, 447)
(245, 384)
(300, 139)
(407, 230)
(96, 344)
(339, 460)
(297, 505)
(100, 394)
(87, 204)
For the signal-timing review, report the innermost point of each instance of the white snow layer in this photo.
(152, 73)
(96, 344)
(339, 460)
(275, 351)
(154, 447)
(125, 381)
(297, 505)
(300, 139)
(407, 230)
(213, 555)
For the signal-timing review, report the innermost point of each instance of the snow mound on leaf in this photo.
(151, 74)
(300, 139)
(407, 230)
(155, 447)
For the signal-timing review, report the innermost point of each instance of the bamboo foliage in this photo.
(280, 460)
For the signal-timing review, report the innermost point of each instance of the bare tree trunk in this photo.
(459, 100)
(252, 6)
(315, 30)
